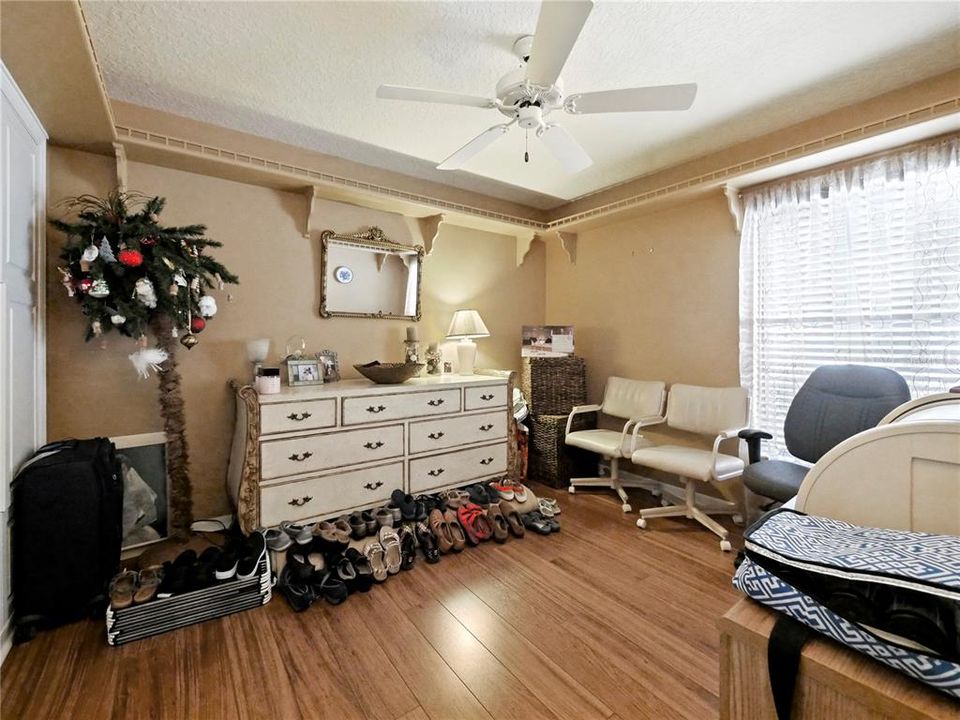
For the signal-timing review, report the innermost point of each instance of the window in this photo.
(855, 265)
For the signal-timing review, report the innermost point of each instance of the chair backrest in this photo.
(837, 402)
(625, 398)
(706, 410)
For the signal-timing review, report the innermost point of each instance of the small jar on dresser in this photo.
(319, 451)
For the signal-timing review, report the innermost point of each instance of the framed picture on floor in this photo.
(146, 488)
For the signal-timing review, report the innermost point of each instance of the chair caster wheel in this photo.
(626, 507)
(725, 545)
(572, 490)
(641, 523)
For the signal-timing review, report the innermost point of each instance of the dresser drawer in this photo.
(480, 398)
(329, 494)
(292, 456)
(304, 415)
(428, 435)
(397, 406)
(456, 468)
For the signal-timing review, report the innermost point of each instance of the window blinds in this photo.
(859, 265)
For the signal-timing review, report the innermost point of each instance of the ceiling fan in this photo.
(532, 91)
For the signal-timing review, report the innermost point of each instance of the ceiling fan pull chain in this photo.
(526, 146)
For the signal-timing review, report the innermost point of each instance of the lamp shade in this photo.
(467, 324)
(257, 350)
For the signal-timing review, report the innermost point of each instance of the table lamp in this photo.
(257, 351)
(466, 325)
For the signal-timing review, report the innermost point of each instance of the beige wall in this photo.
(653, 298)
(95, 391)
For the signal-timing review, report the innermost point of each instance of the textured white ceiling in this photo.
(306, 73)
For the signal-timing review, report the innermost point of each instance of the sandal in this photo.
(332, 589)
(535, 521)
(544, 508)
(501, 530)
(408, 548)
(300, 534)
(374, 554)
(362, 567)
(427, 542)
(392, 554)
(441, 533)
(148, 580)
(550, 504)
(122, 589)
(514, 521)
(455, 530)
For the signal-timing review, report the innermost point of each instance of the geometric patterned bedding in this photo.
(917, 561)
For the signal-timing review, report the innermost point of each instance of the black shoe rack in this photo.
(159, 616)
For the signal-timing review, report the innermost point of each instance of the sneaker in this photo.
(226, 567)
(252, 551)
(503, 488)
(277, 540)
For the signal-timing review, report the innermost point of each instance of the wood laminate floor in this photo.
(601, 620)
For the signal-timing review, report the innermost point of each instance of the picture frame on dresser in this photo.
(329, 365)
(314, 452)
(304, 372)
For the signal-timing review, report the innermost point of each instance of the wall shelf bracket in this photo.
(427, 228)
(524, 241)
(310, 194)
(120, 154)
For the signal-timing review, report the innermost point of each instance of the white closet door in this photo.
(22, 366)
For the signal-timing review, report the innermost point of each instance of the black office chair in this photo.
(835, 403)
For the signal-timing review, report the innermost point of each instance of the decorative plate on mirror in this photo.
(343, 274)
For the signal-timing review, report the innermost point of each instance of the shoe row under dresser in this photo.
(316, 451)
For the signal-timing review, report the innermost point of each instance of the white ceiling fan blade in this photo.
(558, 28)
(399, 92)
(481, 141)
(642, 99)
(572, 157)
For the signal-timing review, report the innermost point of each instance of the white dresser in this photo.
(319, 451)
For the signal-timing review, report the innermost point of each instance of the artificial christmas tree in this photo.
(116, 257)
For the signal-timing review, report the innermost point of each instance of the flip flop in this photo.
(550, 504)
(428, 543)
(122, 589)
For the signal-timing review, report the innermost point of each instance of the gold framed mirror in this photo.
(366, 275)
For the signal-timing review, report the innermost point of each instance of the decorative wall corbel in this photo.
(120, 154)
(735, 204)
(310, 193)
(524, 241)
(428, 228)
(569, 242)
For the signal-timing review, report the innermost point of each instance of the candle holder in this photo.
(411, 351)
(434, 358)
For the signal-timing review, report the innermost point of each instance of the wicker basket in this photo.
(551, 461)
(552, 386)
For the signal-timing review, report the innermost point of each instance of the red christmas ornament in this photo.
(84, 285)
(197, 324)
(148, 241)
(130, 258)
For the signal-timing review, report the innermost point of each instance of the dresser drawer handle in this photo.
(377, 409)
(435, 403)
(486, 461)
(435, 473)
(373, 486)
(373, 445)
(486, 428)
(298, 417)
(436, 435)
(300, 457)
(486, 398)
(300, 502)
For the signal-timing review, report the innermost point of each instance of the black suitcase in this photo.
(66, 533)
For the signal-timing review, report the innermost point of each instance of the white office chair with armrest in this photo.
(638, 402)
(718, 412)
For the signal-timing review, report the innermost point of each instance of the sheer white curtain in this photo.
(858, 265)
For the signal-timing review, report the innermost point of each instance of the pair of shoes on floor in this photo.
(133, 588)
(362, 524)
(548, 507)
(506, 489)
(475, 522)
(411, 509)
(540, 523)
(446, 530)
(240, 559)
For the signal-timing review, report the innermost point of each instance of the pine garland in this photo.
(125, 268)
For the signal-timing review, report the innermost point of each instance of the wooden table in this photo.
(834, 681)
